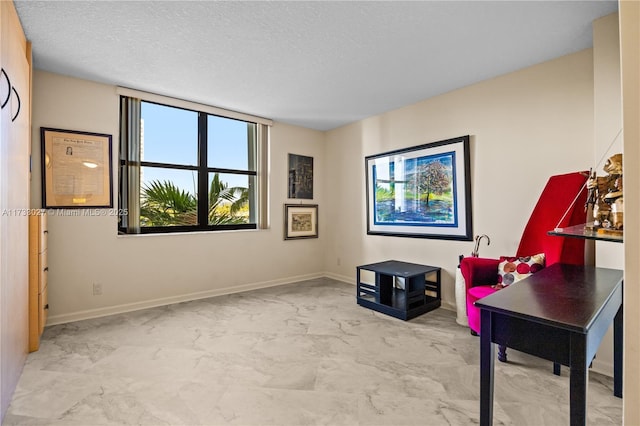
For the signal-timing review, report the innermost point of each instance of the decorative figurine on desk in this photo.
(605, 197)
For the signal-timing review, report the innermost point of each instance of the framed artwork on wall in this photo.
(76, 169)
(422, 191)
(300, 177)
(300, 221)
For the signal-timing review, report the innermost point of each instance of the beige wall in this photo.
(515, 122)
(608, 141)
(630, 58)
(524, 127)
(607, 117)
(606, 88)
(146, 270)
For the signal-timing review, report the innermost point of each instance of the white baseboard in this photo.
(343, 278)
(163, 301)
(447, 306)
(129, 307)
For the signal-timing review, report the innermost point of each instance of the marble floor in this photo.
(299, 354)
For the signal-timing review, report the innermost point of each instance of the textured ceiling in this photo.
(314, 64)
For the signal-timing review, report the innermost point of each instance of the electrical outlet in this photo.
(97, 289)
(338, 262)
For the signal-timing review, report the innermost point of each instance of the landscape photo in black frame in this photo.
(422, 191)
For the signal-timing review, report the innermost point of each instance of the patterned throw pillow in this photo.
(514, 269)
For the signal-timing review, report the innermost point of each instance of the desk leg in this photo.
(486, 369)
(578, 380)
(617, 353)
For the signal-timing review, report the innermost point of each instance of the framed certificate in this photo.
(76, 169)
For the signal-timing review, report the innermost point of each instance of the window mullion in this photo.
(168, 166)
(203, 175)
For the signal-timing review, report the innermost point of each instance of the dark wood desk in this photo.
(561, 314)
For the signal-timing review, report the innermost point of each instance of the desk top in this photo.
(565, 296)
(399, 269)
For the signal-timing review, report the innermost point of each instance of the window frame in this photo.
(257, 203)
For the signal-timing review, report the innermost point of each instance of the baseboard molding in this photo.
(163, 301)
(343, 278)
(603, 367)
(447, 306)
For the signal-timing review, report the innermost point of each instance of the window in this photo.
(184, 169)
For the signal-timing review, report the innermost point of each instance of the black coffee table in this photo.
(412, 295)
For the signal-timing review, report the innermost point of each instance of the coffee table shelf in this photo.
(400, 289)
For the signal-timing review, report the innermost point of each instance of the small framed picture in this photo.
(300, 177)
(300, 221)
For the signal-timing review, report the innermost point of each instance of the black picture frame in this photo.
(423, 191)
(300, 177)
(300, 221)
(77, 169)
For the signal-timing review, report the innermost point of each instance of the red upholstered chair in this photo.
(565, 193)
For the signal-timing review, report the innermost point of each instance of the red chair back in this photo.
(563, 194)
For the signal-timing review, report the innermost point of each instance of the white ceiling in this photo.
(315, 64)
